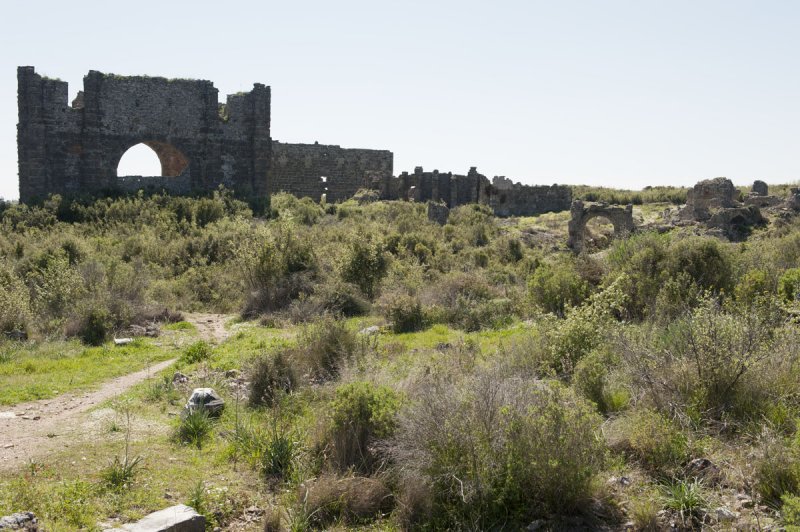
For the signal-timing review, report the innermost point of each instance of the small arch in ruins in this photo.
(620, 217)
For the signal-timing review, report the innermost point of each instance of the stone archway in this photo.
(173, 177)
(620, 217)
(173, 161)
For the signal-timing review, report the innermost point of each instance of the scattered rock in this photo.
(369, 331)
(19, 521)
(179, 378)
(206, 399)
(122, 341)
(151, 330)
(759, 188)
(19, 336)
(232, 374)
(536, 525)
(619, 481)
(744, 501)
(724, 515)
(178, 518)
(705, 469)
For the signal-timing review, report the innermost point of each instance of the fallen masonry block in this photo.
(19, 521)
(179, 518)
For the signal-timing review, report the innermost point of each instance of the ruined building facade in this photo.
(74, 149)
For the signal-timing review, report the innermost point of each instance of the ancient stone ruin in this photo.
(716, 203)
(505, 197)
(75, 149)
(620, 217)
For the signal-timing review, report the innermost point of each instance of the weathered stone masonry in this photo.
(315, 169)
(74, 150)
(504, 196)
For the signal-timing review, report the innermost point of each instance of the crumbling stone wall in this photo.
(515, 199)
(74, 150)
(504, 196)
(620, 217)
(315, 169)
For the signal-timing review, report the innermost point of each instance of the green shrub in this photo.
(95, 327)
(556, 287)
(591, 380)
(120, 474)
(754, 285)
(361, 414)
(324, 346)
(708, 363)
(685, 497)
(194, 427)
(705, 260)
(789, 285)
(278, 457)
(270, 376)
(15, 310)
(655, 441)
(299, 210)
(364, 265)
(496, 448)
(404, 312)
(777, 470)
(197, 352)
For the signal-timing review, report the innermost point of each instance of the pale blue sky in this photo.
(616, 93)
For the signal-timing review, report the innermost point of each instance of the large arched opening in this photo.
(153, 166)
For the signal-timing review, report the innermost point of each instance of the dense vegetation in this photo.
(507, 382)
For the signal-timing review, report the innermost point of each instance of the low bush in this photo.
(120, 474)
(777, 470)
(498, 449)
(655, 441)
(95, 327)
(404, 313)
(361, 413)
(197, 352)
(270, 376)
(707, 363)
(351, 500)
(324, 346)
(194, 427)
(789, 285)
(556, 287)
(364, 265)
(591, 380)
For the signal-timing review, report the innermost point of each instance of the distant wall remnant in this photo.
(315, 169)
(514, 199)
(504, 196)
(74, 150)
(620, 217)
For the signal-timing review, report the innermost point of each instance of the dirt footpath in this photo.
(30, 431)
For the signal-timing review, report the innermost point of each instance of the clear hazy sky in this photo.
(606, 92)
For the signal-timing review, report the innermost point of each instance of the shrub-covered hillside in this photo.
(384, 372)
